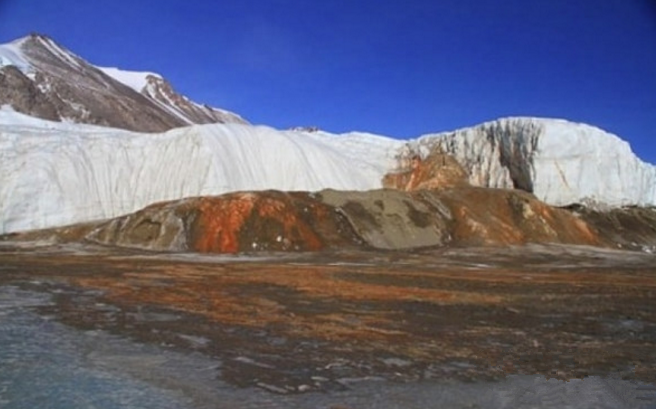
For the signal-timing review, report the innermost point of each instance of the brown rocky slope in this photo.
(380, 219)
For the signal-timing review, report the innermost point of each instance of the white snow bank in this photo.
(11, 54)
(134, 79)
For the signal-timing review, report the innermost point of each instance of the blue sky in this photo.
(397, 67)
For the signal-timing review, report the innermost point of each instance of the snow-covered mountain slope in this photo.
(54, 174)
(561, 162)
(136, 80)
(41, 78)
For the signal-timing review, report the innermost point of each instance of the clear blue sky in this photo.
(396, 67)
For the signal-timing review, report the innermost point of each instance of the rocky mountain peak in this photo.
(161, 91)
(51, 82)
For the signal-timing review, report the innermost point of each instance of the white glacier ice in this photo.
(561, 162)
(53, 174)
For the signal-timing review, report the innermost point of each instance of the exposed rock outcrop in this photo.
(632, 228)
(236, 222)
(436, 170)
(160, 91)
(509, 217)
(381, 219)
(24, 95)
(391, 219)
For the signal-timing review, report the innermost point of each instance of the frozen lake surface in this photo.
(45, 364)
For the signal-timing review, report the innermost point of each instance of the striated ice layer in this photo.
(561, 162)
(54, 174)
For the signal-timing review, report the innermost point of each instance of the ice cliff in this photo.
(52, 174)
(561, 162)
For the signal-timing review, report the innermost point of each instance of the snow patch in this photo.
(11, 54)
(133, 79)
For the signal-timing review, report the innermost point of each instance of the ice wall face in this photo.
(54, 174)
(560, 162)
(581, 163)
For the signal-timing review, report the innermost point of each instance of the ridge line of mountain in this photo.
(51, 82)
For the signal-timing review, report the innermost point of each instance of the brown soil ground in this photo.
(303, 321)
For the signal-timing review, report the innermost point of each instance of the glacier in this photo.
(559, 161)
(54, 174)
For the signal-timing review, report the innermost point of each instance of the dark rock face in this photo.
(24, 96)
(64, 86)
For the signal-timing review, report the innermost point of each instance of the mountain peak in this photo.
(54, 83)
(31, 37)
(42, 41)
(37, 35)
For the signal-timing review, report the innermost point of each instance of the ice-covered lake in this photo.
(46, 364)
